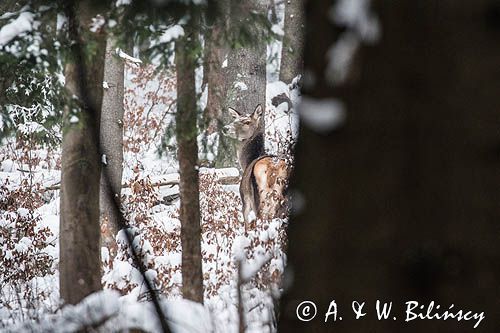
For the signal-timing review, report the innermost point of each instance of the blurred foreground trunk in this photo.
(400, 200)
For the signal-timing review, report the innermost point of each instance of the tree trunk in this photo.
(80, 264)
(246, 74)
(215, 116)
(401, 201)
(111, 136)
(247, 65)
(186, 133)
(293, 41)
(215, 53)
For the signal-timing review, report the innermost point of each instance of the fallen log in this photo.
(223, 180)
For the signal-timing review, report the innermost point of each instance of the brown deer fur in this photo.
(264, 176)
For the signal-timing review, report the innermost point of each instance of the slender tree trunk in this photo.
(186, 133)
(80, 264)
(401, 200)
(293, 41)
(111, 136)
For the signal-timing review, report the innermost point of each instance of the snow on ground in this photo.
(158, 236)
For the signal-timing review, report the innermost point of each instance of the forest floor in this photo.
(29, 176)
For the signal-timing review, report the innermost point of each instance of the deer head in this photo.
(243, 127)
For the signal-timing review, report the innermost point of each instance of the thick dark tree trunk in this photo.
(293, 41)
(111, 136)
(79, 241)
(401, 201)
(216, 51)
(245, 74)
(247, 65)
(186, 133)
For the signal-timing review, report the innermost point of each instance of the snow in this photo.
(23, 245)
(249, 268)
(92, 310)
(128, 58)
(97, 24)
(222, 243)
(112, 23)
(356, 15)
(22, 212)
(322, 115)
(276, 28)
(240, 85)
(105, 255)
(171, 34)
(61, 20)
(30, 127)
(7, 165)
(74, 119)
(23, 23)
(340, 56)
(362, 26)
(123, 2)
(251, 216)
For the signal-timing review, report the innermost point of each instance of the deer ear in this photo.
(233, 113)
(257, 113)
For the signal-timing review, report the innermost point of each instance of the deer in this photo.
(264, 176)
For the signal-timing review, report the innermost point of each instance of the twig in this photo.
(241, 314)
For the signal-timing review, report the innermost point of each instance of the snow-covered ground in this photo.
(31, 176)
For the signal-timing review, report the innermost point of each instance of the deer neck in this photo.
(251, 148)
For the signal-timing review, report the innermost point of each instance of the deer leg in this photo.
(247, 215)
(247, 197)
(261, 179)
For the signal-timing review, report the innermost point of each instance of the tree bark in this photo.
(80, 264)
(247, 64)
(111, 137)
(293, 41)
(401, 201)
(186, 134)
(245, 74)
(215, 52)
